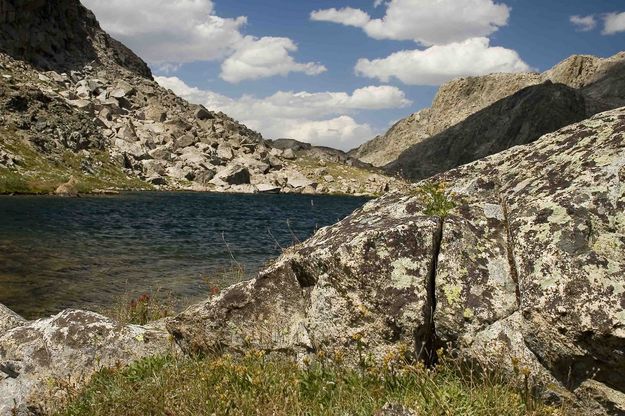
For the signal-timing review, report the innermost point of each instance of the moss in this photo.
(452, 293)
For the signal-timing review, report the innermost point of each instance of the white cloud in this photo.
(614, 23)
(169, 33)
(347, 16)
(265, 57)
(323, 118)
(342, 132)
(429, 22)
(584, 23)
(438, 64)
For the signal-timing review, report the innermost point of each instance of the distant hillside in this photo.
(458, 99)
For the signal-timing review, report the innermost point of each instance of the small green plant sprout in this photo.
(436, 198)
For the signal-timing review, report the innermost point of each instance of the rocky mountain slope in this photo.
(78, 103)
(516, 261)
(518, 119)
(460, 98)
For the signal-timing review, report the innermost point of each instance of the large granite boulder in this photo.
(518, 263)
(37, 357)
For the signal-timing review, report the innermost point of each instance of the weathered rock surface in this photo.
(60, 36)
(526, 273)
(601, 79)
(9, 319)
(66, 348)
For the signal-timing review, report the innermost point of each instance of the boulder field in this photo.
(516, 261)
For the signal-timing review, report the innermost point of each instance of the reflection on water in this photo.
(57, 253)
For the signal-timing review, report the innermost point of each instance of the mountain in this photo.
(518, 119)
(78, 104)
(458, 99)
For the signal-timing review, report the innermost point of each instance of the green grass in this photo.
(436, 199)
(40, 175)
(260, 385)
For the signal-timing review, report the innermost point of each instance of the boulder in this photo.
(185, 141)
(67, 347)
(289, 154)
(204, 177)
(234, 175)
(299, 181)
(516, 261)
(136, 149)
(9, 319)
(266, 188)
(202, 113)
(225, 152)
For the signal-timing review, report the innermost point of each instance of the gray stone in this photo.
(235, 175)
(9, 319)
(523, 274)
(67, 347)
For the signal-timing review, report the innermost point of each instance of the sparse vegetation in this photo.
(142, 309)
(39, 175)
(436, 199)
(256, 384)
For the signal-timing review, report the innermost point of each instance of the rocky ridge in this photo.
(460, 98)
(76, 94)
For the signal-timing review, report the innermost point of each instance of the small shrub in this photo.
(436, 199)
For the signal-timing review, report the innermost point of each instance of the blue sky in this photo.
(208, 52)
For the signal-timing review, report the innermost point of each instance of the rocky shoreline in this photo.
(514, 261)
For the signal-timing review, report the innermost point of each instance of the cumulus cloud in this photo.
(323, 118)
(614, 23)
(169, 33)
(429, 22)
(441, 63)
(265, 57)
(584, 23)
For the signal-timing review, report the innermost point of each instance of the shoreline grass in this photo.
(257, 384)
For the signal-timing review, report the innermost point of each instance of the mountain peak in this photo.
(61, 35)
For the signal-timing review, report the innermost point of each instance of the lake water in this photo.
(87, 252)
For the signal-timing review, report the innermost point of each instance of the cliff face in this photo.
(458, 99)
(60, 35)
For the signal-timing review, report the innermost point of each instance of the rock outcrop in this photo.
(62, 36)
(38, 358)
(600, 80)
(518, 262)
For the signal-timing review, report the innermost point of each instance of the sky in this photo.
(339, 72)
